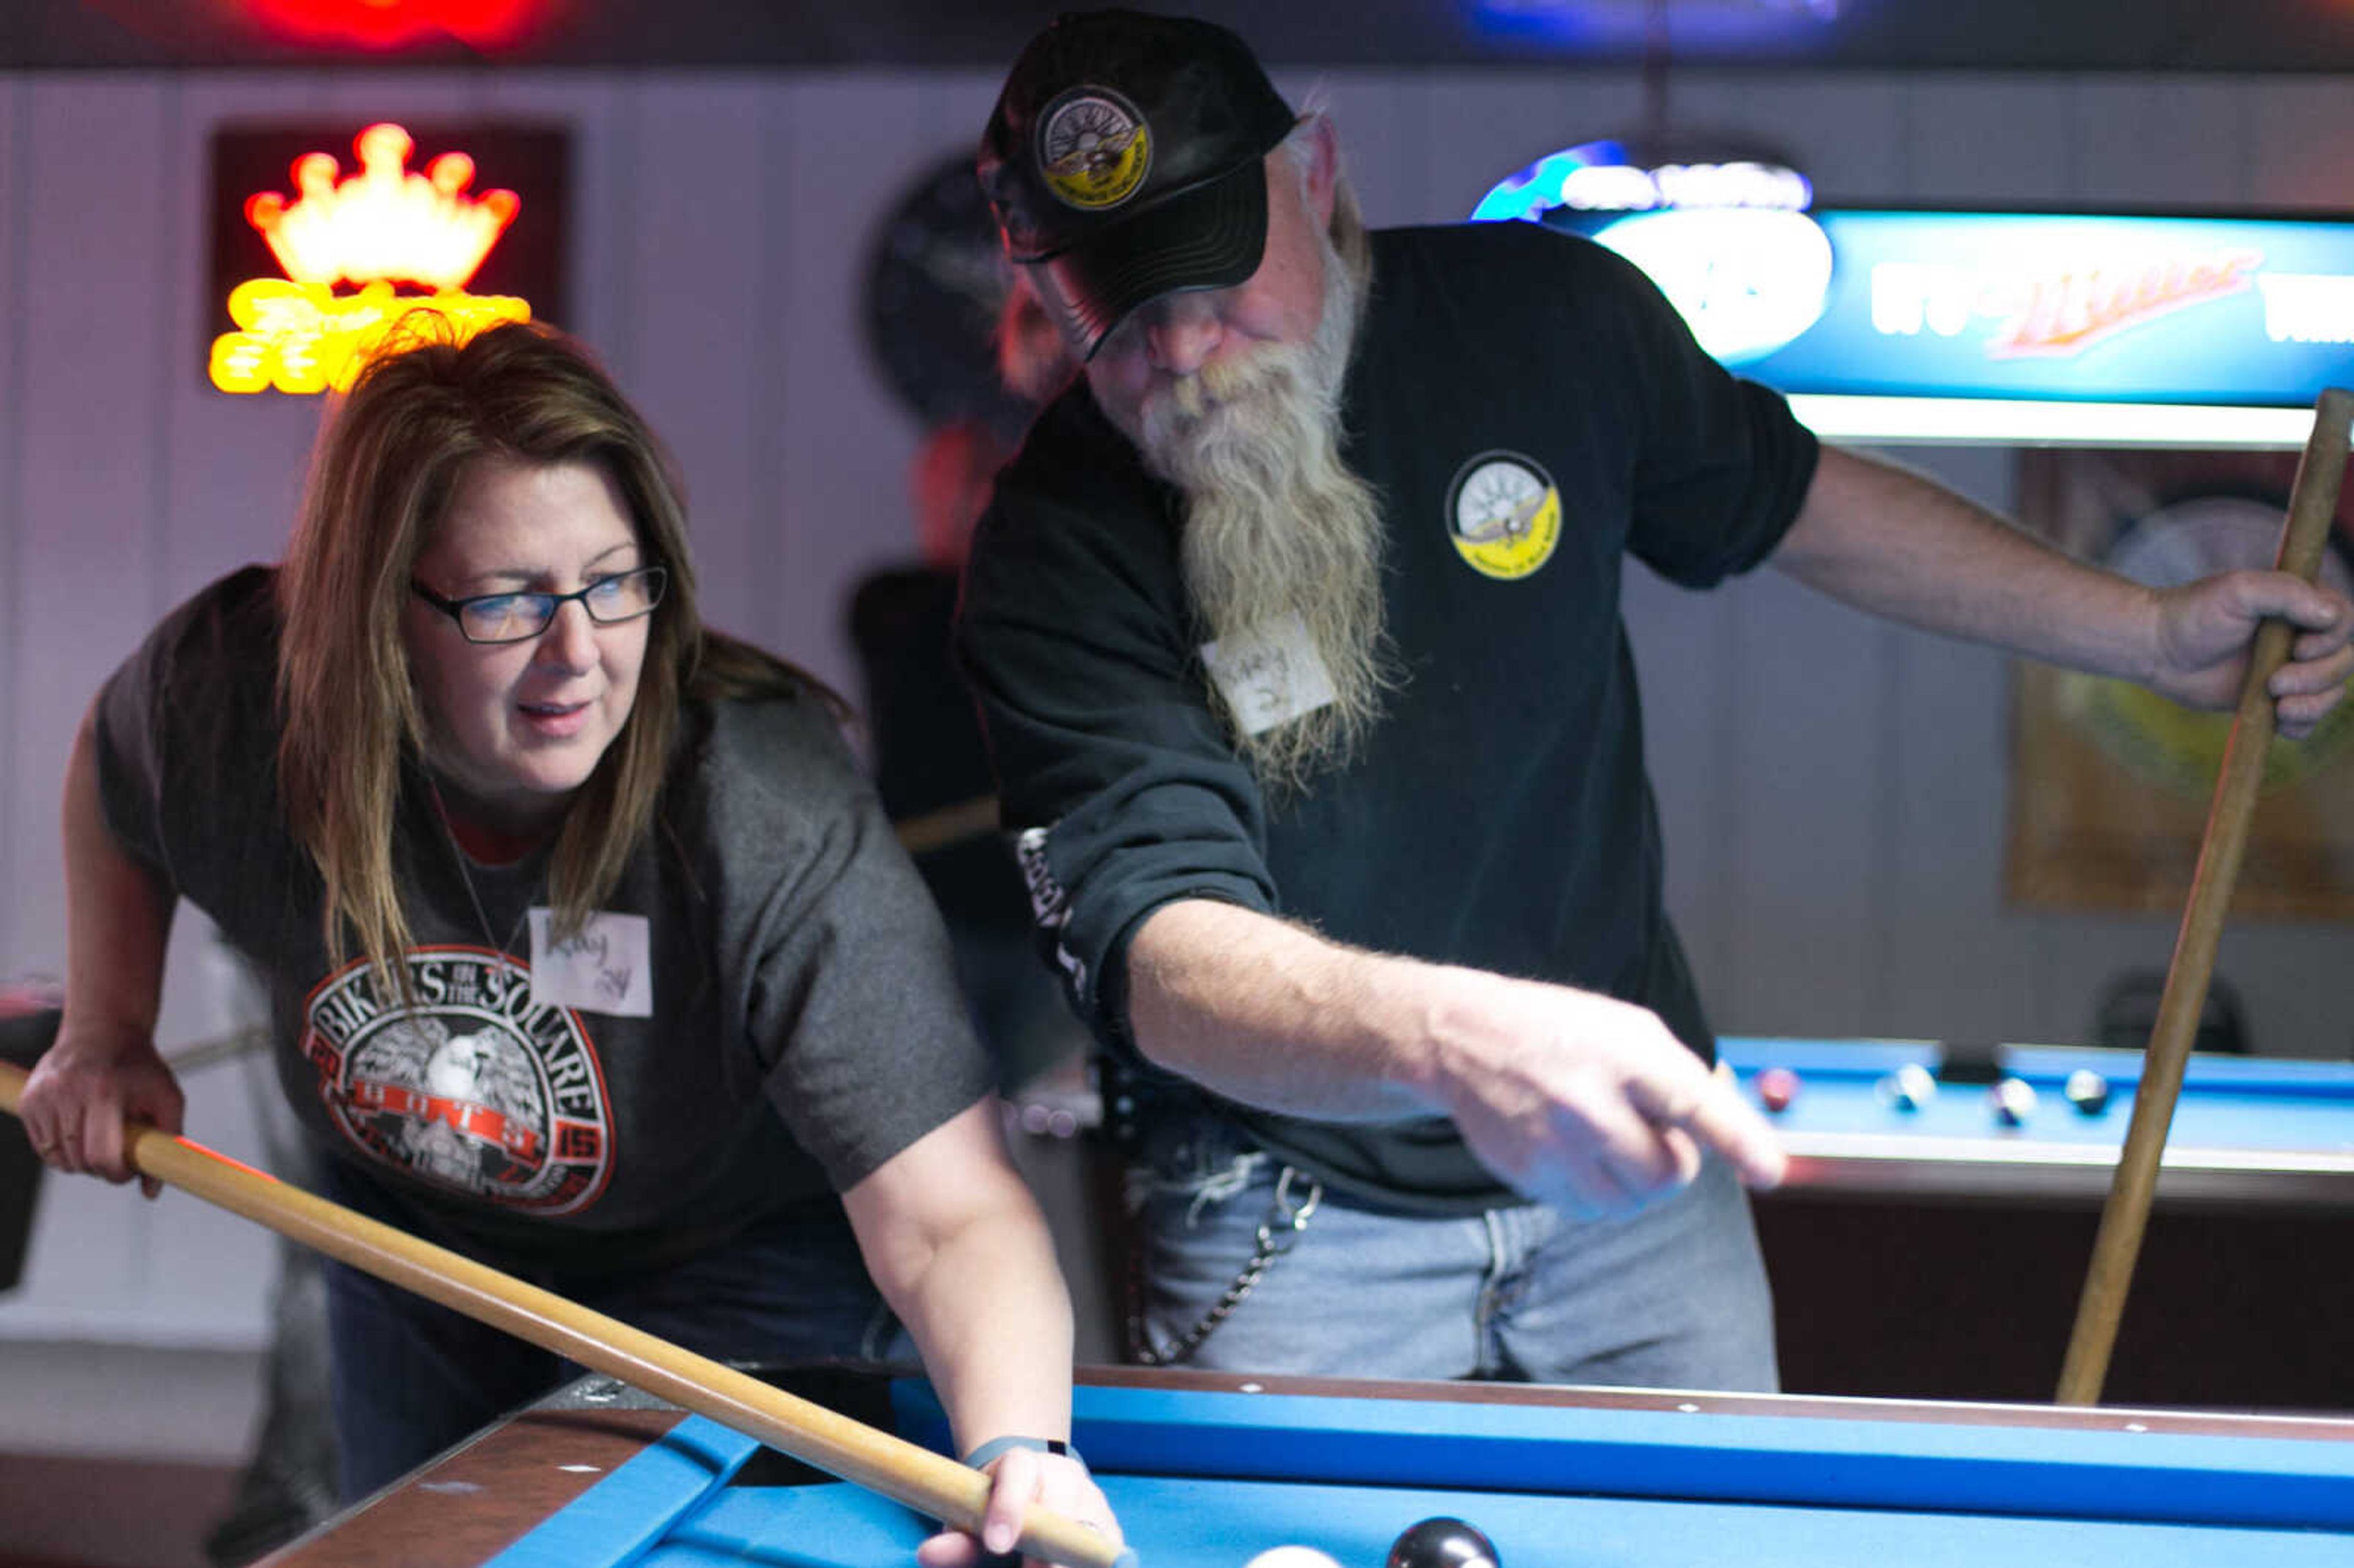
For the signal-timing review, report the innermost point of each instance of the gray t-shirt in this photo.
(794, 1021)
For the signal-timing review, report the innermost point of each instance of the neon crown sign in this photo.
(381, 226)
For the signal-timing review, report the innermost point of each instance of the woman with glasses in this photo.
(590, 953)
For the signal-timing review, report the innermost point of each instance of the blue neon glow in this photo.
(1697, 28)
(1602, 176)
(1748, 281)
(2051, 307)
(2165, 309)
(1537, 190)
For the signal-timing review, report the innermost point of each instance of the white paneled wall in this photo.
(1833, 789)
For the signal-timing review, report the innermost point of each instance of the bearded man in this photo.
(1296, 628)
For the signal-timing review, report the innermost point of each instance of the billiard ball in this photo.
(1777, 1088)
(1442, 1543)
(1293, 1557)
(2013, 1100)
(2087, 1091)
(1909, 1088)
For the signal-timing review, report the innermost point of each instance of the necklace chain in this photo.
(466, 881)
(482, 918)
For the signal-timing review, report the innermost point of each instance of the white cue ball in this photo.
(1293, 1557)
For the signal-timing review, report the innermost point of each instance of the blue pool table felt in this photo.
(2233, 1103)
(1578, 1488)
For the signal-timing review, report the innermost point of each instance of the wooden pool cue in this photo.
(932, 1485)
(2312, 509)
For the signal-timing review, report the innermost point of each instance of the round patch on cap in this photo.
(1093, 148)
(1503, 514)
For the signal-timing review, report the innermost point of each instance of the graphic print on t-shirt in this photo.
(1504, 513)
(474, 1087)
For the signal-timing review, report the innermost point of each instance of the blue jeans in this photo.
(411, 1378)
(1673, 1298)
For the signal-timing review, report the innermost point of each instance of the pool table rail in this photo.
(2247, 1132)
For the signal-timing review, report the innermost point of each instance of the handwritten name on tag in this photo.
(1270, 677)
(605, 966)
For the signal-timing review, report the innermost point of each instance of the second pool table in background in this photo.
(1938, 1255)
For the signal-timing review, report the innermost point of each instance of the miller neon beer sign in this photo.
(351, 249)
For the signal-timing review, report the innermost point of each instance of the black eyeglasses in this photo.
(520, 617)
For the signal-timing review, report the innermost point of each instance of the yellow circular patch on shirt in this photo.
(1503, 514)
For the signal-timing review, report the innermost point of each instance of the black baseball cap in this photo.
(1124, 157)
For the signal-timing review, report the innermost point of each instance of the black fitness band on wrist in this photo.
(980, 1458)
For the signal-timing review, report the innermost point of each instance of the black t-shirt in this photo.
(1529, 411)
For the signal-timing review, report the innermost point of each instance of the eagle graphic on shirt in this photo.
(467, 1084)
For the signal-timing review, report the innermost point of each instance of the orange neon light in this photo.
(305, 337)
(378, 226)
(2063, 314)
(384, 221)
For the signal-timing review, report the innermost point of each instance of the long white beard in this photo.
(1278, 526)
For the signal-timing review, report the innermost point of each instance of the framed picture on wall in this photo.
(2110, 783)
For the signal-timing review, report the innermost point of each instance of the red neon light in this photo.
(389, 24)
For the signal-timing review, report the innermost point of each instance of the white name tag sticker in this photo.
(604, 967)
(1271, 677)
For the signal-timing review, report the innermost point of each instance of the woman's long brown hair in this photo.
(383, 476)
